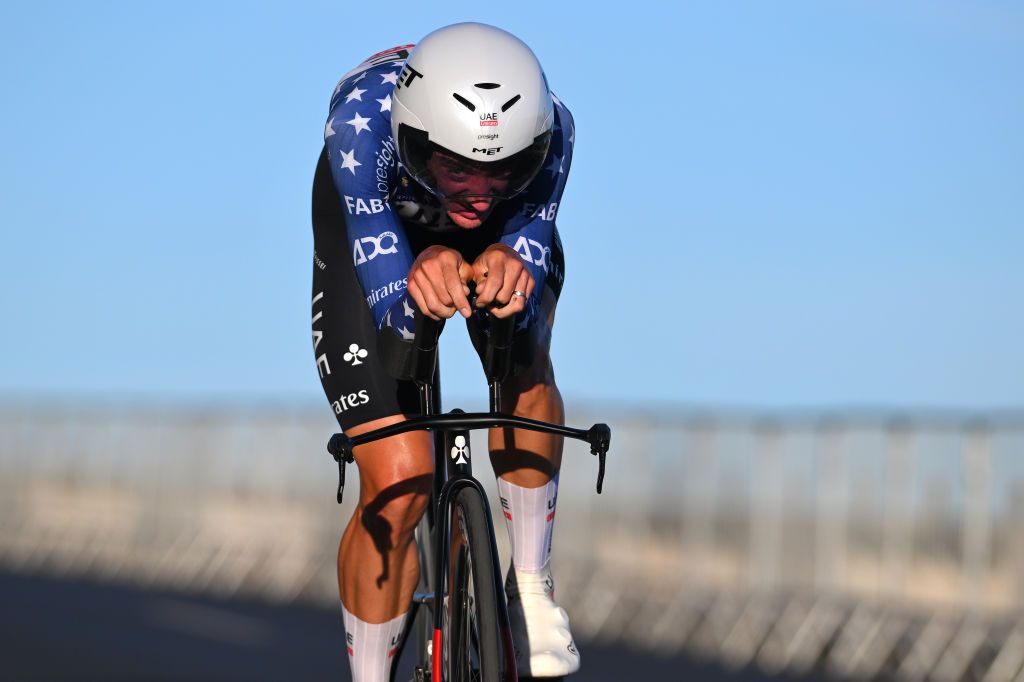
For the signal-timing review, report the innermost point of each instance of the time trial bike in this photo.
(462, 634)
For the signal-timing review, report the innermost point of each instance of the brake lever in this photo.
(599, 436)
(340, 447)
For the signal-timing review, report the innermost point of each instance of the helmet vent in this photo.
(508, 105)
(464, 102)
(487, 86)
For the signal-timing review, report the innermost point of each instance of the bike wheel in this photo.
(422, 627)
(472, 642)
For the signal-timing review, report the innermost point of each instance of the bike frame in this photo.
(450, 476)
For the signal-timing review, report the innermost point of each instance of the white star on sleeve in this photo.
(355, 94)
(409, 312)
(329, 130)
(361, 77)
(389, 78)
(359, 123)
(349, 161)
(556, 166)
(406, 334)
(385, 104)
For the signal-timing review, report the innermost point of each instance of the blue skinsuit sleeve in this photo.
(364, 168)
(531, 232)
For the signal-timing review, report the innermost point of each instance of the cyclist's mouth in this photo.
(473, 211)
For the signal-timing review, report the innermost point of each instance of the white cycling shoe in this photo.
(540, 627)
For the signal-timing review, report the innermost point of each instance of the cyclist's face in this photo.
(470, 193)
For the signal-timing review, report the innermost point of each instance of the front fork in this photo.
(458, 465)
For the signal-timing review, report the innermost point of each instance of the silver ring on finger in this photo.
(519, 293)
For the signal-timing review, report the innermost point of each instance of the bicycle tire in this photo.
(422, 627)
(472, 644)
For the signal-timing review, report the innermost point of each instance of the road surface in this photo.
(60, 630)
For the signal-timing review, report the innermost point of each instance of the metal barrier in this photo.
(855, 545)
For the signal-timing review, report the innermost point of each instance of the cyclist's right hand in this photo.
(437, 282)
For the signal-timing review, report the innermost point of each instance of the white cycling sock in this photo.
(372, 647)
(530, 518)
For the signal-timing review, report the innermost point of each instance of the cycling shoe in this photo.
(540, 628)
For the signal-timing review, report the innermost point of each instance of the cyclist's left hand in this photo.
(498, 272)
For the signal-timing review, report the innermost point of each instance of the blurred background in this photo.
(793, 237)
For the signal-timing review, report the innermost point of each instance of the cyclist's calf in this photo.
(377, 567)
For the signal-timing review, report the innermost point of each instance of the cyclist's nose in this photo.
(480, 185)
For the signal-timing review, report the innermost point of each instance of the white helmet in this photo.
(478, 93)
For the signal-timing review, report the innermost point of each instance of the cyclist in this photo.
(443, 163)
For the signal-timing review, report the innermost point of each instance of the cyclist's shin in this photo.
(530, 518)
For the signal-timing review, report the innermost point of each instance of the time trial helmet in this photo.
(477, 94)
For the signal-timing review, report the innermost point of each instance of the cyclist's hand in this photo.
(498, 272)
(437, 283)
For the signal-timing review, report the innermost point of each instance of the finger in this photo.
(487, 287)
(525, 283)
(419, 298)
(437, 310)
(509, 285)
(456, 290)
(465, 271)
(434, 274)
(515, 306)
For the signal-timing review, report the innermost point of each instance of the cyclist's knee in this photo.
(395, 476)
(391, 522)
(533, 389)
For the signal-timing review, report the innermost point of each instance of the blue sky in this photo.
(785, 204)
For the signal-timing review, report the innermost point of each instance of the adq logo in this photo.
(527, 248)
(383, 243)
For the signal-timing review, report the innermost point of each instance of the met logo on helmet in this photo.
(407, 76)
(489, 151)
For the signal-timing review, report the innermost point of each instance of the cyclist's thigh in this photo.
(360, 391)
(357, 386)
